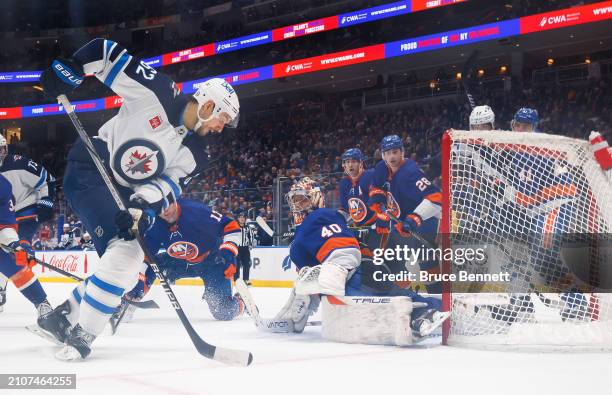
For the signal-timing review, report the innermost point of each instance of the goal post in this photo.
(539, 207)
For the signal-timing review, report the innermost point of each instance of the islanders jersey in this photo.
(7, 205)
(406, 188)
(540, 179)
(323, 231)
(198, 233)
(30, 181)
(146, 140)
(354, 196)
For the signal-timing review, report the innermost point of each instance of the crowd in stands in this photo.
(36, 56)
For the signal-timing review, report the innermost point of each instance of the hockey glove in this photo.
(409, 225)
(139, 217)
(24, 254)
(227, 260)
(64, 76)
(44, 209)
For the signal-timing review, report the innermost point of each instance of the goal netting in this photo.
(540, 208)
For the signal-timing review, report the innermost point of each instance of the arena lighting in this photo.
(481, 72)
(550, 61)
(513, 27)
(503, 69)
(432, 84)
(587, 60)
(458, 76)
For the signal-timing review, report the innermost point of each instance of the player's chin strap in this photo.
(201, 120)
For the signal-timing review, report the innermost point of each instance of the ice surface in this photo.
(153, 355)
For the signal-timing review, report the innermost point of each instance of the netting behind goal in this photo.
(541, 209)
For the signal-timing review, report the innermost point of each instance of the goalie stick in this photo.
(225, 355)
(147, 304)
(264, 324)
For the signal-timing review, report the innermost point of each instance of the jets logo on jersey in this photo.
(357, 209)
(138, 160)
(183, 250)
(392, 205)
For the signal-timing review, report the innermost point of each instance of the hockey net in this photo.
(540, 207)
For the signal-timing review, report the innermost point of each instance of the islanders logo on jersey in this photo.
(183, 250)
(357, 209)
(392, 205)
(138, 160)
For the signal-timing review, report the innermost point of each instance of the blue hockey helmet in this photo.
(527, 116)
(390, 142)
(352, 153)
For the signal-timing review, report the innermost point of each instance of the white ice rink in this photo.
(153, 355)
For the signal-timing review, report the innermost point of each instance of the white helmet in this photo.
(3, 149)
(482, 115)
(223, 95)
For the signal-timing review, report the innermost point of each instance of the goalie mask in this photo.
(225, 98)
(304, 197)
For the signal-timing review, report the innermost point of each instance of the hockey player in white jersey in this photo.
(34, 193)
(151, 147)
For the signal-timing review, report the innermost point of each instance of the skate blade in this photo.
(68, 354)
(37, 330)
(426, 330)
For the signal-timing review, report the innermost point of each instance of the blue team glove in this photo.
(44, 209)
(124, 219)
(64, 76)
(24, 253)
(228, 261)
(411, 224)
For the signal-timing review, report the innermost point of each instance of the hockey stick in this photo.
(224, 355)
(147, 304)
(262, 223)
(417, 236)
(264, 324)
(467, 77)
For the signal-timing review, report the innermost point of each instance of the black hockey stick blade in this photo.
(144, 304)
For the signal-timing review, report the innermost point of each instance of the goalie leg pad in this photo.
(367, 319)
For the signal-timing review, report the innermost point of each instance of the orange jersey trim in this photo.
(231, 227)
(548, 193)
(434, 197)
(335, 243)
(22, 277)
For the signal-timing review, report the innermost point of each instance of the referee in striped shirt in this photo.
(248, 240)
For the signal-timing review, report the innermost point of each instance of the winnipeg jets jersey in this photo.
(30, 181)
(146, 139)
(354, 196)
(198, 233)
(323, 231)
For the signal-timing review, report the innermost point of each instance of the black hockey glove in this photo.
(44, 209)
(139, 210)
(64, 76)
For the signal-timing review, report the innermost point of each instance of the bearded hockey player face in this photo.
(352, 167)
(393, 157)
(214, 124)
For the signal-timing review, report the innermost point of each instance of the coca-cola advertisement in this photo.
(80, 263)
